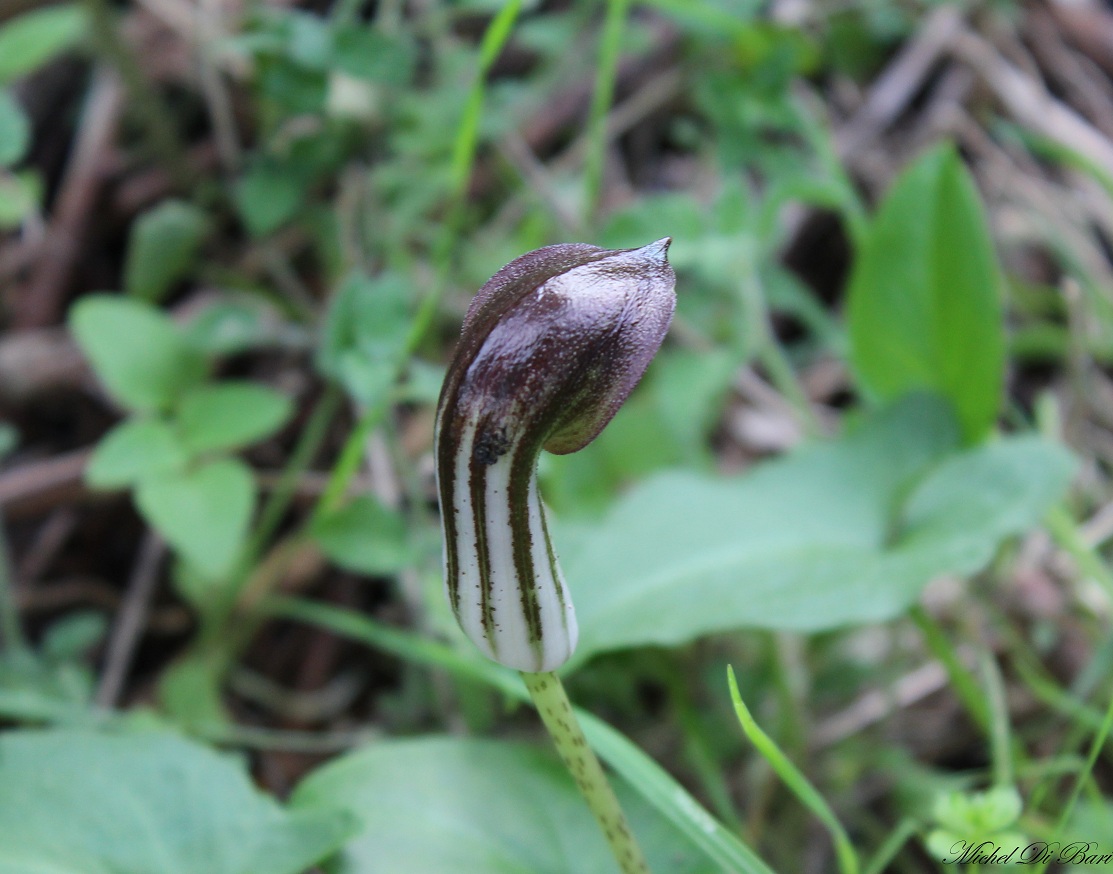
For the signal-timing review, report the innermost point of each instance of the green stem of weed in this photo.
(548, 695)
(1071, 706)
(819, 138)
(605, 76)
(464, 148)
(1091, 759)
(965, 686)
(1000, 745)
(347, 465)
(463, 159)
(783, 377)
(794, 779)
(467, 136)
(697, 746)
(312, 436)
(1064, 530)
(906, 829)
(771, 355)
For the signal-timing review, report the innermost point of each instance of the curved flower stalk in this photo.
(551, 347)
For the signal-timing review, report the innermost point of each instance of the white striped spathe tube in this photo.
(551, 347)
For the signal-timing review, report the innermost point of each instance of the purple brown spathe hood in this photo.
(551, 347)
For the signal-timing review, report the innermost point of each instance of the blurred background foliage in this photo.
(870, 468)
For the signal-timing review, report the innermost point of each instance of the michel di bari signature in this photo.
(1035, 853)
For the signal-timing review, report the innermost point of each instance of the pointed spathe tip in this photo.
(659, 250)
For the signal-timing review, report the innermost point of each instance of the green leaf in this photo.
(978, 814)
(923, 308)
(364, 332)
(229, 415)
(203, 513)
(364, 536)
(241, 323)
(81, 802)
(189, 690)
(134, 449)
(370, 55)
(267, 196)
(30, 40)
(836, 534)
(498, 808)
(44, 688)
(308, 39)
(15, 130)
(137, 352)
(162, 248)
(73, 635)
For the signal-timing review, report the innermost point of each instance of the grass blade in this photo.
(794, 779)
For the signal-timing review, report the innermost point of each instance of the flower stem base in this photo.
(555, 710)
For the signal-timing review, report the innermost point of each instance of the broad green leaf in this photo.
(162, 248)
(836, 534)
(137, 352)
(365, 537)
(459, 806)
(134, 449)
(228, 415)
(30, 40)
(15, 130)
(82, 802)
(924, 310)
(364, 332)
(203, 512)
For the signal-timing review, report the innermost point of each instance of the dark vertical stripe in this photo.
(553, 567)
(477, 486)
(523, 458)
(448, 445)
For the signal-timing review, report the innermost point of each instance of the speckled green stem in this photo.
(555, 709)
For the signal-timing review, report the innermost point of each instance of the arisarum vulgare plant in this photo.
(551, 347)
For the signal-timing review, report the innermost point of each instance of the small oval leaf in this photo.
(162, 248)
(203, 512)
(138, 353)
(133, 450)
(229, 415)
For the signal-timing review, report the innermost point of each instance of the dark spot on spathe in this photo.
(490, 445)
